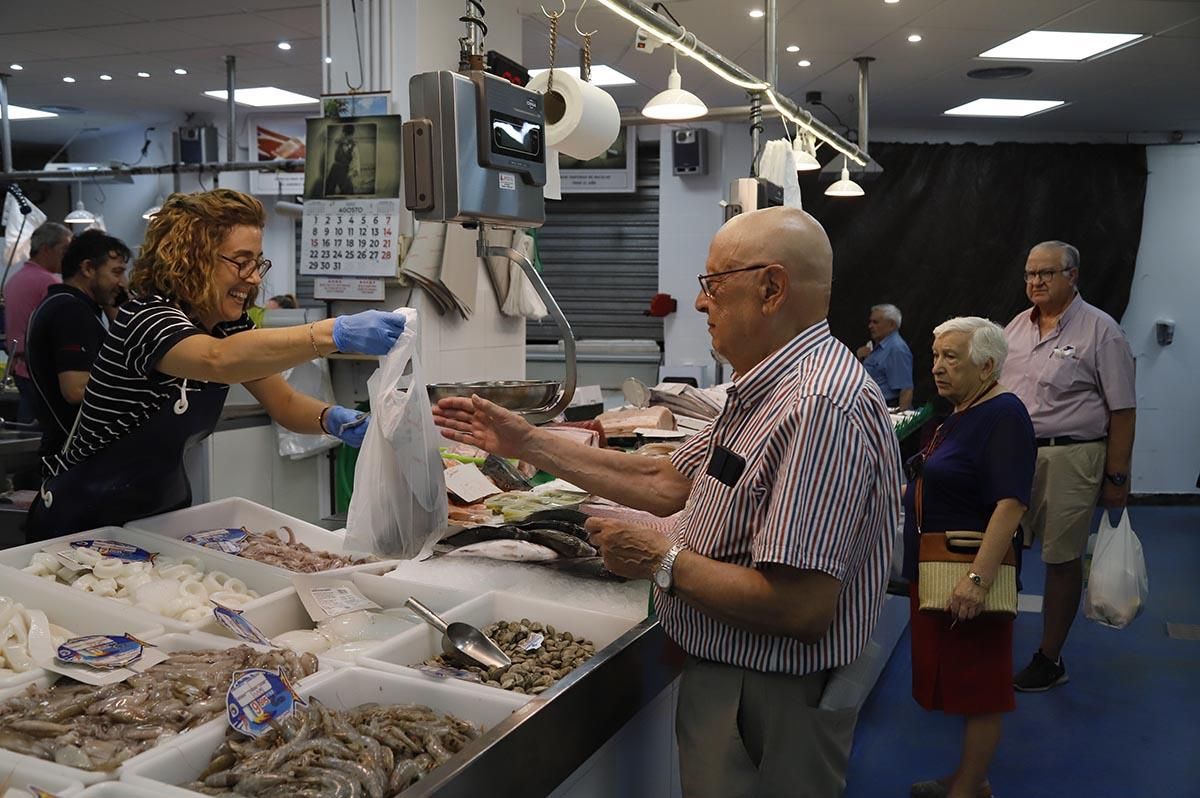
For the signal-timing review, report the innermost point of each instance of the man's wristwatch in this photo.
(1117, 478)
(662, 576)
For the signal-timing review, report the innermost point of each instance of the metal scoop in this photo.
(462, 638)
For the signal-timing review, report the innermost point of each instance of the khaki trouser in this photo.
(746, 734)
(1066, 486)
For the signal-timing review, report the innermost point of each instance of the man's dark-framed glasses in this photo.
(249, 267)
(705, 279)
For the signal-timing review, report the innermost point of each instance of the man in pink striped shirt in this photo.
(776, 573)
(24, 291)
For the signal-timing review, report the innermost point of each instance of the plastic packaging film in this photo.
(582, 121)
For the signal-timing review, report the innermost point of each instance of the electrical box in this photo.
(689, 151)
(195, 144)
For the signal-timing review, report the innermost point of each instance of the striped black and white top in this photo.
(125, 386)
(820, 491)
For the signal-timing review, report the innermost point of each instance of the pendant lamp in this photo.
(802, 154)
(80, 215)
(845, 187)
(674, 104)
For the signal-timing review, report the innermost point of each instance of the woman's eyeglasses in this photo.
(705, 279)
(249, 267)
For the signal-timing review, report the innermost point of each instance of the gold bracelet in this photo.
(312, 339)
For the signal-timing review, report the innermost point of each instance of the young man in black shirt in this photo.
(68, 327)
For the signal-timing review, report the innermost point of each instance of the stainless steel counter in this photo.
(540, 745)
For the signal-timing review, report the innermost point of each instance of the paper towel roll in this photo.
(582, 121)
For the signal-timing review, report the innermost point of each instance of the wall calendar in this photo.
(358, 237)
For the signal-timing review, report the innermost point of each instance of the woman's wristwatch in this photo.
(976, 578)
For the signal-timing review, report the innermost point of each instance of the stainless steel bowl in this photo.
(516, 395)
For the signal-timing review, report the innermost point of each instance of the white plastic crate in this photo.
(262, 578)
(170, 643)
(236, 512)
(123, 789)
(182, 761)
(23, 772)
(73, 611)
(285, 612)
(412, 648)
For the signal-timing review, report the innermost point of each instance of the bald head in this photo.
(787, 236)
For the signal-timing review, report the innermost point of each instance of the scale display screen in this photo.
(516, 137)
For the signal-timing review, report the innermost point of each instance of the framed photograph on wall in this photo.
(277, 137)
(343, 106)
(353, 158)
(612, 172)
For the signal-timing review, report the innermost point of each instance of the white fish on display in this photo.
(510, 550)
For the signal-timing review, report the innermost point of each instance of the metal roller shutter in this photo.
(599, 256)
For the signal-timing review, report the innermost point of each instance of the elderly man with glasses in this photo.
(776, 573)
(1073, 368)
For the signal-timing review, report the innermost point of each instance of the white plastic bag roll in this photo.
(582, 120)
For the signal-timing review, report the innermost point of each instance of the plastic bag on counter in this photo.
(399, 504)
(310, 378)
(1118, 585)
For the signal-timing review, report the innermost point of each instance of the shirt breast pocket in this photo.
(1061, 374)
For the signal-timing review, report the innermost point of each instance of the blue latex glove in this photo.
(348, 426)
(372, 332)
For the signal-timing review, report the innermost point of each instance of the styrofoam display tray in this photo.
(183, 760)
(236, 512)
(73, 611)
(262, 578)
(285, 612)
(171, 643)
(22, 772)
(412, 648)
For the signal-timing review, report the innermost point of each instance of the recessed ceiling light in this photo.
(15, 67)
(891, 2)
(143, 74)
(804, 62)
(602, 75)
(68, 79)
(914, 37)
(106, 77)
(284, 46)
(990, 106)
(328, 59)
(17, 112)
(757, 13)
(180, 71)
(1054, 45)
(263, 96)
(793, 48)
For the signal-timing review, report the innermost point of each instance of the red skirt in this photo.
(965, 670)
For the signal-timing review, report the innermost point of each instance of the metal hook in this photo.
(557, 15)
(577, 13)
(358, 46)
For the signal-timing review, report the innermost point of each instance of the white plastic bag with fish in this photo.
(311, 378)
(399, 504)
(1118, 584)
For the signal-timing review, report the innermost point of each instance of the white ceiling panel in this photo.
(21, 17)
(56, 45)
(307, 20)
(1115, 16)
(240, 29)
(1014, 16)
(149, 37)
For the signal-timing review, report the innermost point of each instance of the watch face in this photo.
(663, 580)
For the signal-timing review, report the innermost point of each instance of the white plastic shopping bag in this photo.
(399, 504)
(1118, 585)
(311, 378)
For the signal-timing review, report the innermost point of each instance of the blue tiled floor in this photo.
(1126, 726)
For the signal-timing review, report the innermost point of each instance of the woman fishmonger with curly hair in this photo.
(160, 380)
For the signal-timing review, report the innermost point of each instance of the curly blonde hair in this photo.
(179, 254)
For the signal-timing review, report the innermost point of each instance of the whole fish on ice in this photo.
(506, 549)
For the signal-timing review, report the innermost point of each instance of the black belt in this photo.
(1065, 440)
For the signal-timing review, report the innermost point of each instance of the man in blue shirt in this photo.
(887, 358)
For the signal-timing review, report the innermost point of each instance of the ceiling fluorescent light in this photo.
(1054, 45)
(602, 75)
(263, 97)
(17, 112)
(990, 106)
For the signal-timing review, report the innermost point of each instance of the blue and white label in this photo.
(112, 548)
(103, 652)
(256, 697)
(439, 672)
(234, 621)
(533, 642)
(228, 540)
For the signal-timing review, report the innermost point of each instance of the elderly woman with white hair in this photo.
(975, 474)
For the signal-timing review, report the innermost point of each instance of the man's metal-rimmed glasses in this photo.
(1045, 275)
(705, 278)
(247, 268)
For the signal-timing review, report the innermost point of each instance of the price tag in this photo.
(112, 548)
(102, 652)
(234, 621)
(533, 642)
(256, 697)
(227, 540)
(335, 601)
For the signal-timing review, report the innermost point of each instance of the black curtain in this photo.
(945, 229)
